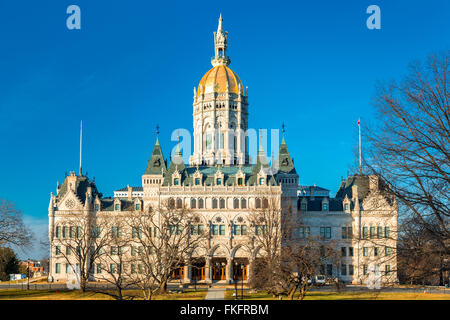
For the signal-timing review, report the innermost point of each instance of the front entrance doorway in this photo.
(198, 270)
(178, 273)
(240, 269)
(219, 269)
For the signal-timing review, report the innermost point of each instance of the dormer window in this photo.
(239, 181)
(117, 207)
(261, 181)
(219, 181)
(97, 207)
(138, 206)
(346, 207)
(197, 181)
(176, 182)
(324, 206)
(303, 207)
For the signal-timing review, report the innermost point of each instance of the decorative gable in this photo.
(219, 178)
(197, 178)
(261, 177)
(240, 177)
(70, 202)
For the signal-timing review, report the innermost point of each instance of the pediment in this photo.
(375, 201)
(70, 202)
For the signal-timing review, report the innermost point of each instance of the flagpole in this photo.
(360, 162)
(81, 142)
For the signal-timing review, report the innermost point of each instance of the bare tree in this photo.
(113, 262)
(12, 228)
(80, 241)
(409, 148)
(419, 259)
(163, 239)
(285, 262)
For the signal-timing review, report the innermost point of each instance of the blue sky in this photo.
(133, 64)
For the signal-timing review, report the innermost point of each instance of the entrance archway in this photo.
(240, 269)
(198, 269)
(177, 273)
(219, 269)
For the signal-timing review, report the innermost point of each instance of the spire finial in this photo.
(157, 134)
(219, 27)
(282, 130)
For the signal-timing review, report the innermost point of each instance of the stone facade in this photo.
(224, 189)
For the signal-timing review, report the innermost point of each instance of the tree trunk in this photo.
(83, 284)
(163, 287)
(147, 294)
(291, 293)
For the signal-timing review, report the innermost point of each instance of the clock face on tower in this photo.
(285, 162)
(157, 163)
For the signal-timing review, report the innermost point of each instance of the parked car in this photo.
(320, 280)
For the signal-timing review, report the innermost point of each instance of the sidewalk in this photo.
(215, 294)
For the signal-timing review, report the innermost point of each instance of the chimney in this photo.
(355, 191)
(130, 192)
(374, 182)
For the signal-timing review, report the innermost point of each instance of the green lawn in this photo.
(17, 294)
(330, 295)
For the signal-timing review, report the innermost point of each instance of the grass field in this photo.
(17, 294)
(317, 295)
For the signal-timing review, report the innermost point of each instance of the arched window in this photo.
(179, 203)
(257, 203)
(171, 203)
(236, 203)
(265, 203)
(193, 203)
(222, 203)
(214, 203)
(243, 203)
(200, 203)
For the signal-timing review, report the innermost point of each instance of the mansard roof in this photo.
(82, 184)
(313, 191)
(134, 189)
(345, 189)
(209, 173)
(315, 204)
(107, 204)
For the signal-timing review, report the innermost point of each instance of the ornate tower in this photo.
(220, 111)
(154, 174)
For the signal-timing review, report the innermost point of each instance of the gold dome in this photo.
(220, 79)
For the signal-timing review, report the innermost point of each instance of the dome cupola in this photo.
(220, 111)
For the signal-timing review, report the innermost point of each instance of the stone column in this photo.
(251, 262)
(229, 275)
(208, 270)
(187, 274)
